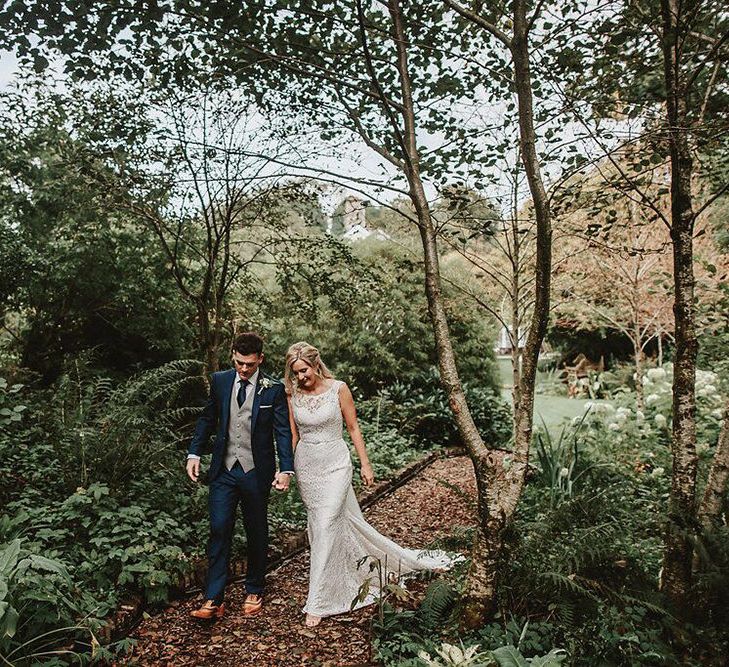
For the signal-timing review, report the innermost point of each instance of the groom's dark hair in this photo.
(248, 343)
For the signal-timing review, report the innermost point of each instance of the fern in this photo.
(104, 430)
(438, 604)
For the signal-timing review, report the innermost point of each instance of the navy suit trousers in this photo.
(227, 490)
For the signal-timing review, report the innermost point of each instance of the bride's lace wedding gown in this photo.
(339, 536)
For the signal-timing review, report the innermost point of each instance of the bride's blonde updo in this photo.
(302, 351)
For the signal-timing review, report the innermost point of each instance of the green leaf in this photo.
(509, 656)
(10, 622)
(40, 64)
(43, 563)
(552, 659)
(41, 596)
(9, 558)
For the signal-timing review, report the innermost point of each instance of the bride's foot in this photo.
(312, 621)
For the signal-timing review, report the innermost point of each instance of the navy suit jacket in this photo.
(270, 416)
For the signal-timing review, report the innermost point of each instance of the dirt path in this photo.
(413, 516)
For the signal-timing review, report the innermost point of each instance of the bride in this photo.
(339, 536)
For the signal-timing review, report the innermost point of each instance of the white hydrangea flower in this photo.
(656, 374)
(646, 381)
(660, 421)
(717, 413)
(657, 472)
(705, 377)
(623, 411)
(652, 398)
(614, 426)
(639, 416)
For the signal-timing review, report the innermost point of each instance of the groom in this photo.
(245, 410)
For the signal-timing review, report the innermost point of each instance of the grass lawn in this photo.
(551, 408)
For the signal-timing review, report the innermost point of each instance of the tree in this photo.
(214, 206)
(81, 273)
(667, 64)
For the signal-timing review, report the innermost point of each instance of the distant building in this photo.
(503, 344)
(350, 220)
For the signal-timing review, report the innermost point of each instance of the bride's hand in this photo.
(368, 476)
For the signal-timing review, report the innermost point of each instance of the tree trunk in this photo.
(638, 358)
(713, 500)
(206, 339)
(501, 484)
(516, 317)
(523, 418)
(677, 561)
(482, 577)
(660, 348)
(481, 584)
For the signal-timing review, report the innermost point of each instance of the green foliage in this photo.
(653, 424)
(439, 603)
(582, 559)
(376, 297)
(557, 460)
(36, 593)
(420, 409)
(11, 412)
(101, 430)
(16, 262)
(92, 478)
(712, 568)
(84, 273)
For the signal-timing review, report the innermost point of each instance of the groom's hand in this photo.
(282, 481)
(193, 469)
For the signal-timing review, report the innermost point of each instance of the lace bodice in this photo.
(318, 417)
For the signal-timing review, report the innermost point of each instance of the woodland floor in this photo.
(414, 515)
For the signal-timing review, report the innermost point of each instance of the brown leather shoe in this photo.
(252, 605)
(209, 610)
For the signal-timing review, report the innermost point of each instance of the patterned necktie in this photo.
(242, 392)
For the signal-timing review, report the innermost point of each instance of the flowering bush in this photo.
(655, 421)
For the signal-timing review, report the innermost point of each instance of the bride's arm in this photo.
(346, 402)
(292, 423)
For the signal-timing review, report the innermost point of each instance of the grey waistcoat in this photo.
(239, 433)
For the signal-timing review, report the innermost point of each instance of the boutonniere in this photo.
(265, 383)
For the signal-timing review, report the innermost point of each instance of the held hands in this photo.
(368, 475)
(193, 469)
(281, 481)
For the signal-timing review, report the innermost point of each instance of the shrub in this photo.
(420, 410)
(36, 593)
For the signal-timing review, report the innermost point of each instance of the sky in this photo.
(362, 162)
(8, 68)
